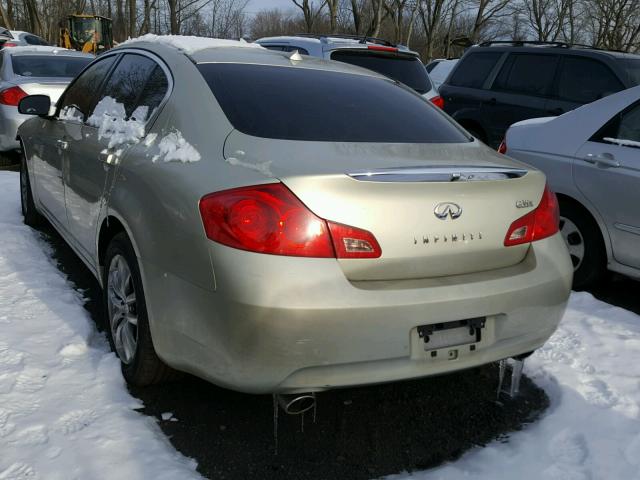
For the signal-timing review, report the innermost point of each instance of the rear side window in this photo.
(286, 48)
(474, 69)
(584, 80)
(318, 105)
(33, 40)
(48, 65)
(128, 80)
(529, 74)
(632, 68)
(406, 69)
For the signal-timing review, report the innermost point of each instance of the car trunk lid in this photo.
(436, 210)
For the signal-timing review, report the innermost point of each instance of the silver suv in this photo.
(394, 61)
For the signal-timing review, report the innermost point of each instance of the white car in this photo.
(394, 61)
(18, 38)
(591, 157)
(439, 70)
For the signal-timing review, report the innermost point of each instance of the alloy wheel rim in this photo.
(575, 241)
(123, 314)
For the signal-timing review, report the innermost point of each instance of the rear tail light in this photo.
(503, 147)
(9, 44)
(540, 223)
(438, 101)
(12, 96)
(270, 219)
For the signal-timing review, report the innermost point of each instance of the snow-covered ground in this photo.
(65, 412)
(591, 371)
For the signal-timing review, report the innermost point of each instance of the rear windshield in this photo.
(48, 65)
(317, 105)
(403, 68)
(632, 67)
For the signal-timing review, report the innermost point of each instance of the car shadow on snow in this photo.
(359, 433)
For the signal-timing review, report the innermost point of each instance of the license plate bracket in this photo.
(451, 334)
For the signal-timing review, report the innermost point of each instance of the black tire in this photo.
(29, 213)
(145, 368)
(589, 270)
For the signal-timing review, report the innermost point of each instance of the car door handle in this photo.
(602, 160)
(62, 144)
(109, 158)
(492, 101)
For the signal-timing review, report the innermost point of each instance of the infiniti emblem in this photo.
(447, 209)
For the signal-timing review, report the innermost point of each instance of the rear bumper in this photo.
(282, 324)
(10, 120)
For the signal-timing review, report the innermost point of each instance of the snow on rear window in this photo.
(190, 45)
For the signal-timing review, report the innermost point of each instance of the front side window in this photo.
(585, 80)
(406, 69)
(79, 98)
(529, 74)
(48, 65)
(318, 105)
(474, 69)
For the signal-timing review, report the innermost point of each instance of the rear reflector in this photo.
(270, 219)
(381, 48)
(503, 147)
(540, 223)
(351, 242)
(438, 101)
(12, 96)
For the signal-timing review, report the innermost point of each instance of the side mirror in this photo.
(35, 105)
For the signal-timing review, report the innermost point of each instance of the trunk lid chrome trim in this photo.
(438, 174)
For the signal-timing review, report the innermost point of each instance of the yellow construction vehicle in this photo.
(86, 33)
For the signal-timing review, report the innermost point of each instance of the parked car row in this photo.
(18, 38)
(394, 61)
(591, 157)
(496, 84)
(355, 235)
(32, 70)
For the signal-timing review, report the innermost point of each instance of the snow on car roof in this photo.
(190, 44)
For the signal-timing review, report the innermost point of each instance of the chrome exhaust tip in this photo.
(297, 404)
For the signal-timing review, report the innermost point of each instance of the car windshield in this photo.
(48, 65)
(318, 105)
(632, 67)
(403, 68)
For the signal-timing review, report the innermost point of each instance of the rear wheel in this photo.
(29, 212)
(127, 319)
(586, 248)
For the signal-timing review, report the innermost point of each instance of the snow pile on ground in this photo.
(110, 118)
(590, 369)
(190, 44)
(65, 412)
(174, 147)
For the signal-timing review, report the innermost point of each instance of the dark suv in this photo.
(496, 84)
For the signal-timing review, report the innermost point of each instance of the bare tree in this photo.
(310, 11)
(546, 18)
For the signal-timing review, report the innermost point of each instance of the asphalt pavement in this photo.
(358, 433)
